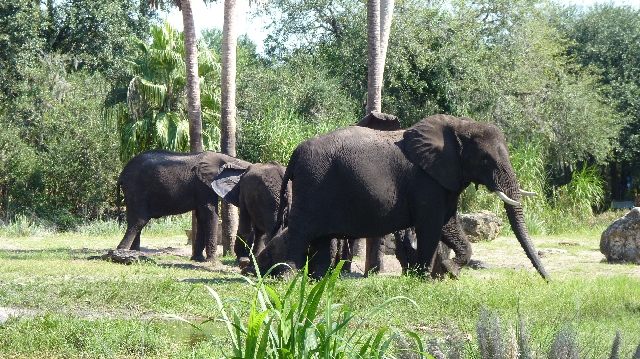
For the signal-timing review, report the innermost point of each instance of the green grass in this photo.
(70, 306)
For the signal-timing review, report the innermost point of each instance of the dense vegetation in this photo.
(85, 86)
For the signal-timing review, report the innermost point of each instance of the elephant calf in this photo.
(158, 183)
(257, 196)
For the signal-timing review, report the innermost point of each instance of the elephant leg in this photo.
(344, 253)
(206, 234)
(406, 253)
(374, 255)
(136, 242)
(428, 235)
(321, 256)
(258, 242)
(454, 238)
(131, 239)
(246, 236)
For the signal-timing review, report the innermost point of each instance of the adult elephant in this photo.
(358, 182)
(257, 196)
(158, 183)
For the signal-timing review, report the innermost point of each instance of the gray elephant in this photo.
(158, 183)
(257, 196)
(357, 182)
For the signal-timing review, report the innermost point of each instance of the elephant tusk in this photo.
(527, 193)
(507, 199)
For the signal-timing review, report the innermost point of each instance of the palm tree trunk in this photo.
(379, 15)
(194, 112)
(374, 79)
(228, 116)
(386, 15)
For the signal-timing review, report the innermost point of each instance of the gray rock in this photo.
(481, 226)
(621, 241)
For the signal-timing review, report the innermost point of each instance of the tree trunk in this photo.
(374, 79)
(194, 112)
(386, 15)
(229, 213)
(379, 15)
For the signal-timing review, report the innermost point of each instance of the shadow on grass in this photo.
(57, 253)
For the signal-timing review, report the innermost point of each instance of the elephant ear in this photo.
(434, 145)
(225, 184)
(223, 180)
(380, 121)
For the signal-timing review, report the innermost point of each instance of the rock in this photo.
(621, 241)
(546, 251)
(125, 256)
(481, 226)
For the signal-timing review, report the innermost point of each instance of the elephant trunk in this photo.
(505, 179)
(516, 219)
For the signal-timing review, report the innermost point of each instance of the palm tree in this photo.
(193, 86)
(228, 115)
(154, 112)
(379, 15)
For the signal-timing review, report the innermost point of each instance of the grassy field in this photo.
(60, 303)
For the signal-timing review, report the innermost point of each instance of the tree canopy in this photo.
(561, 81)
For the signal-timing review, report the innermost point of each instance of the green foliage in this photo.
(96, 35)
(274, 135)
(20, 24)
(497, 61)
(305, 322)
(605, 41)
(154, 112)
(554, 210)
(58, 156)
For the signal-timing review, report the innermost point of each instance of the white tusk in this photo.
(527, 193)
(507, 200)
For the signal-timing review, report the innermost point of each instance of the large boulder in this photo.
(621, 241)
(481, 226)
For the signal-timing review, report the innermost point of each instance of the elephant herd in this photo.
(362, 181)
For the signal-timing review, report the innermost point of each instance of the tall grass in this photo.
(554, 210)
(305, 322)
(275, 134)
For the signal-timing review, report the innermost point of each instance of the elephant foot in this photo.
(243, 262)
(199, 258)
(249, 271)
(448, 267)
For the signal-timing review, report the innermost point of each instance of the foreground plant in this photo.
(305, 322)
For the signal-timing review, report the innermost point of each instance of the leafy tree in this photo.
(154, 112)
(97, 35)
(21, 22)
(605, 41)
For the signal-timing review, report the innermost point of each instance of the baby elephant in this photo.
(158, 183)
(257, 197)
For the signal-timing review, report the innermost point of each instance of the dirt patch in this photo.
(561, 256)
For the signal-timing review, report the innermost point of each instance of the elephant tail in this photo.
(118, 198)
(285, 198)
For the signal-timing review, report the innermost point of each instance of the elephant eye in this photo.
(484, 162)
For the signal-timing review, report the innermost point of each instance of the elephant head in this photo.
(459, 151)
